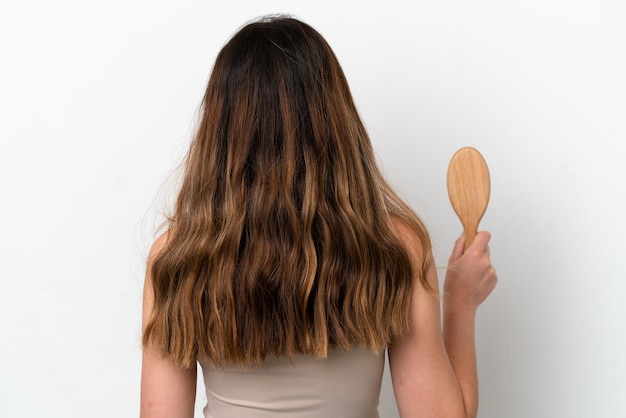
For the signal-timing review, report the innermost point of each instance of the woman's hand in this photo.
(470, 277)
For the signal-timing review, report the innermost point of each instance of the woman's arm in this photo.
(167, 391)
(433, 370)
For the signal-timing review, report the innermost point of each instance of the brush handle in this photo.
(469, 231)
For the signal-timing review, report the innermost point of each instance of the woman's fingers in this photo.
(457, 251)
(471, 277)
(481, 242)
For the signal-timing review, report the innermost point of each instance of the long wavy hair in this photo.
(281, 240)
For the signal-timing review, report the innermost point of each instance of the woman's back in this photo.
(345, 384)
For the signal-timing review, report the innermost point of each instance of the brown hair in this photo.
(281, 239)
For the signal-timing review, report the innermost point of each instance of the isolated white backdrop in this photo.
(97, 103)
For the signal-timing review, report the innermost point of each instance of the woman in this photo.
(289, 265)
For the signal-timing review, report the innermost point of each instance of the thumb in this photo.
(457, 251)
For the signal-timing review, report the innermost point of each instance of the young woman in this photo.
(289, 266)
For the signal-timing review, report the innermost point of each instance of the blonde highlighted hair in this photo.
(281, 240)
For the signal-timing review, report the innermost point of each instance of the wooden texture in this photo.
(469, 189)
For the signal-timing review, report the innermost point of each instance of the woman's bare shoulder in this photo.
(407, 236)
(157, 247)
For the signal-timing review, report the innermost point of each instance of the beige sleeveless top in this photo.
(344, 385)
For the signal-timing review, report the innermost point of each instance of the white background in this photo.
(97, 105)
